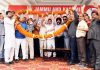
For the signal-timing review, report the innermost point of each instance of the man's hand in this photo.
(95, 5)
(15, 17)
(66, 11)
(98, 9)
(82, 8)
(17, 22)
(74, 7)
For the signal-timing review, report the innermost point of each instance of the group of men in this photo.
(82, 37)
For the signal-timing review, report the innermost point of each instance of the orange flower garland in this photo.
(57, 32)
(24, 32)
(39, 13)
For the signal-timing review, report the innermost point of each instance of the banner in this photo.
(46, 8)
(49, 8)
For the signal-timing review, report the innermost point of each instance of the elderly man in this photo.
(82, 28)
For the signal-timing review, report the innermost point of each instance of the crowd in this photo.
(82, 37)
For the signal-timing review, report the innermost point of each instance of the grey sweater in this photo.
(94, 31)
(30, 27)
(2, 29)
(72, 26)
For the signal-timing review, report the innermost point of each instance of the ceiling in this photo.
(4, 3)
(42, 2)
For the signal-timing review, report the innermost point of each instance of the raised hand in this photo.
(82, 8)
(95, 5)
(66, 10)
(74, 7)
(98, 9)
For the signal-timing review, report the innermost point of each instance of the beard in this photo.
(58, 23)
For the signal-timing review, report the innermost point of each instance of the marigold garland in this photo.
(41, 14)
(57, 32)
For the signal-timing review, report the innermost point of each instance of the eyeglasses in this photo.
(64, 19)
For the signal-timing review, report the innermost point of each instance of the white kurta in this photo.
(50, 41)
(50, 28)
(9, 33)
(42, 40)
(42, 31)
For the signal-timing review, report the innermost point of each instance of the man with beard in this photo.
(9, 37)
(59, 40)
(94, 39)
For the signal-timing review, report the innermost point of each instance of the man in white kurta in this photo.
(50, 41)
(9, 37)
(42, 40)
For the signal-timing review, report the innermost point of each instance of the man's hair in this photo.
(94, 11)
(8, 12)
(0, 13)
(85, 14)
(65, 17)
(58, 19)
(49, 19)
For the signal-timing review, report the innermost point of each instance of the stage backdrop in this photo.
(49, 8)
(45, 8)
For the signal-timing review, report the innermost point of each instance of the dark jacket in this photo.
(2, 29)
(73, 26)
(94, 31)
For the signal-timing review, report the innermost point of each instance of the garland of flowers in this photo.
(41, 14)
(57, 32)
